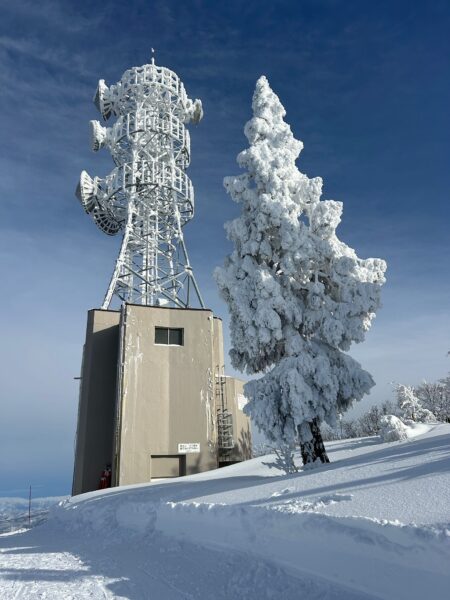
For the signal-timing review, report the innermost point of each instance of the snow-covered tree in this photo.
(411, 407)
(298, 296)
(435, 397)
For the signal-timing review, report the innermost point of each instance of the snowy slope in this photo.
(375, 523)
(14, 511)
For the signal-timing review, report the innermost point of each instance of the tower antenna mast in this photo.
(148, 196)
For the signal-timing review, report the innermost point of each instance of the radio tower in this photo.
(148, 196)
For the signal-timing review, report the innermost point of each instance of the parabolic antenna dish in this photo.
(86, 192)
(98, 135)
(105, 222)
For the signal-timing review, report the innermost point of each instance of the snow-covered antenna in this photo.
(148, 196)
(153, 56)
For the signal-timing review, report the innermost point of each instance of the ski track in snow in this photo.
(242, 532)
(162, 569)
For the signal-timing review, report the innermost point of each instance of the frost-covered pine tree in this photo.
(298, 296)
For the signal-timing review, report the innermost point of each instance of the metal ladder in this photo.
(224, 417)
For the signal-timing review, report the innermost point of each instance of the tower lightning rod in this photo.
(148, 196)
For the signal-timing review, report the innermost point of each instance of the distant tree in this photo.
(329, 433)
(350, 429)
(410, 405)
(436, 398)
(298, 296)
(370, 422)
(444, 408)
(389, 408)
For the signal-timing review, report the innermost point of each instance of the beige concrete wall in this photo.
(241, 423)
(166, 393)
(95, 429)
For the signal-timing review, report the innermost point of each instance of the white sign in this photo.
(241, 401)
(189, 448)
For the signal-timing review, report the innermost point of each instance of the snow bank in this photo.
(393, 429)
(377, 557)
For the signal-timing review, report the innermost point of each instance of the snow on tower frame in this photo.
(148, 196)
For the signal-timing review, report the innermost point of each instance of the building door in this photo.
(165, 466)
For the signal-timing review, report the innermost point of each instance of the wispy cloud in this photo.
(61, 17)
(56, 56)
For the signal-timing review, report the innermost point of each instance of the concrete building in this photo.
(154, 402)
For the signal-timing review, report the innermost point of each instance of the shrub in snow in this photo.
(393, 429)
(284, 458)
(298, 296)
(411, 407)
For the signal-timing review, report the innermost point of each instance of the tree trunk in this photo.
(313, 449)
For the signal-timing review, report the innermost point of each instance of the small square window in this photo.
(161, 335)
(169, 336)
(176, 337)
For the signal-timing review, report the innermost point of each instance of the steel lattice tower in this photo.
(148, 196)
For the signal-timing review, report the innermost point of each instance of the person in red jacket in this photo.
(105, 479)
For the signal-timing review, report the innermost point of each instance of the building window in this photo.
(169, 336)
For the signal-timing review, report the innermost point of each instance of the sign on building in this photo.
(189, 448)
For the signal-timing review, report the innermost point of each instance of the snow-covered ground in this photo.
(15, 514)
(375, 523)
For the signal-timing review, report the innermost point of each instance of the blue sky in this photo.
(366, 87)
